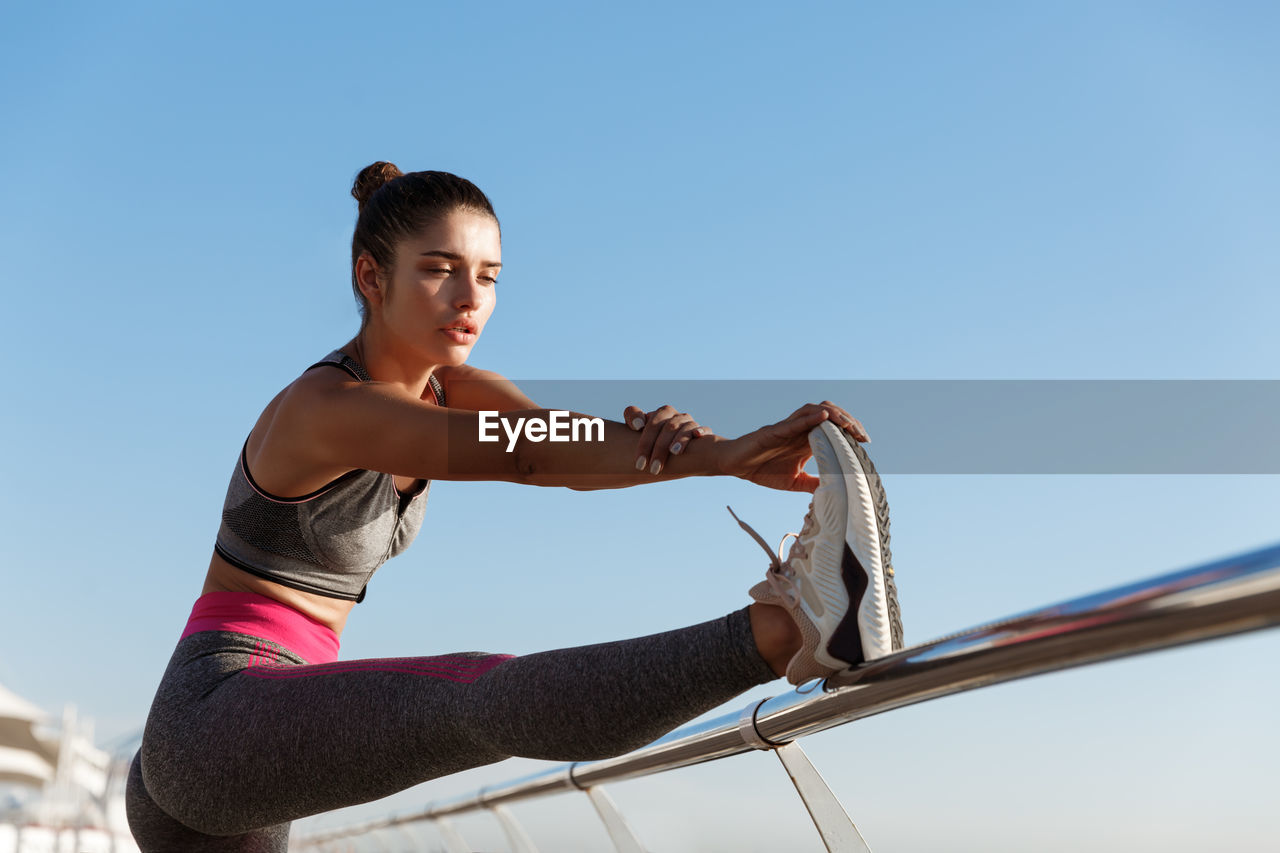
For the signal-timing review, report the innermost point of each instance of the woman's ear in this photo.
(369, 279)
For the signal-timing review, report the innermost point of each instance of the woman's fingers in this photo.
(666, 439)
(652, 456)
(648, 425)
(674, 436)
(837, 416)
(634, 417)
(775, 455)
(801, 421)
(846, 421)
(687, 432)
(851, 425)
(664, 433)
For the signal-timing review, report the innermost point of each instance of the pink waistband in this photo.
(260, 616)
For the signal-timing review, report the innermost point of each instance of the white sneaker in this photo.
(837, 580)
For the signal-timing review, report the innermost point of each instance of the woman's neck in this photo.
(384, 363)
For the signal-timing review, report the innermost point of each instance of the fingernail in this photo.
(675, 448)
(637, 423)
(655, 468)
(703, 430)
(640, 463)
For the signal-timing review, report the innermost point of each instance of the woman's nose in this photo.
(469, 293)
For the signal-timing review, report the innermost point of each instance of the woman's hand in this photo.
(663, 432)
(774, 455)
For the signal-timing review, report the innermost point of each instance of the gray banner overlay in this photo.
(984, 426)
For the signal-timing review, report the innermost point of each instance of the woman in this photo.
(256, 723)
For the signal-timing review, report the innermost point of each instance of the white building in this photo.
(58, 792)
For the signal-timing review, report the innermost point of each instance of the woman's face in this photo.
(442, 287)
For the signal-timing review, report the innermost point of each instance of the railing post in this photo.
(520, 840)
(415, 843)
(833, 822)
(452, 839)
(624, 838)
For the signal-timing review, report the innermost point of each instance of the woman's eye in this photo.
(489, 278)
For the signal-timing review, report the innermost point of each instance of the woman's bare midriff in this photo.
(223, 576)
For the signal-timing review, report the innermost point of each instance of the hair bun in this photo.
(371, 178)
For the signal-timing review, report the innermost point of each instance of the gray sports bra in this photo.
(330, 541)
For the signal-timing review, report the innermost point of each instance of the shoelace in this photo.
(780, 577)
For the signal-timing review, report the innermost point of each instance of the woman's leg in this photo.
(154, 830)
(242, 738)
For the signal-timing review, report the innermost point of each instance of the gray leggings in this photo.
(244, 736)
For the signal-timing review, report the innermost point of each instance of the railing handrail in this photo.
(1217, 599)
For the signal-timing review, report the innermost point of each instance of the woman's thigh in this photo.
(157, 832)
(230, 749)
(245, 735)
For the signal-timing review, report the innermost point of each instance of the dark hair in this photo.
(394, 205)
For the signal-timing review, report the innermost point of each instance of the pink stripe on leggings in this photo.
(448, 667)
(260, 616)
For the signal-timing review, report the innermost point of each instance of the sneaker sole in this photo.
(882, 527)
(859, 581)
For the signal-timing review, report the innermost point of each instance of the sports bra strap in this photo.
(437, 389)
(338, 358)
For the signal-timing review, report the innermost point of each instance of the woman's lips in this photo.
(460, 336)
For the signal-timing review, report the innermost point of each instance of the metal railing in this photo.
(1218, 599)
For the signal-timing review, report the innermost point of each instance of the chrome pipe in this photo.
(1218, 599)
(545, 782)
(1229, 596)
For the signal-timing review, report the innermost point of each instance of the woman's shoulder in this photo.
(281, 449)
(308, 393)
(301, 396)
(462, 372)
(474, 388)
(340, 360)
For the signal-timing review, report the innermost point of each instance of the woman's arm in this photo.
(328, 423)
(773, 455)
(608, 461)
(659, 431)
(467, 387)
(332, 424)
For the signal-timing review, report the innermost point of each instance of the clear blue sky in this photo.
(718, 192)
